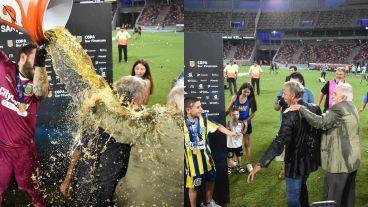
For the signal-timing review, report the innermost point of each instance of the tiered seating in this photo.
(286, 52)
(150, 14)
(175, 14)
(325, 53)
(363, 53)
(243, 52)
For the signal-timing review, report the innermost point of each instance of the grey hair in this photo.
(346, 90)
(176, 96)
(295, 88)
(130, 87)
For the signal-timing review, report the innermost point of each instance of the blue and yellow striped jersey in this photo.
(200, 162)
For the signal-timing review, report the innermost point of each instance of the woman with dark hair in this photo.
(142, 70)
(245, 101)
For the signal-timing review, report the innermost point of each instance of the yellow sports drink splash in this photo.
(35, 16)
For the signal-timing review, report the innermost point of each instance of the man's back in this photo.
(340, 143)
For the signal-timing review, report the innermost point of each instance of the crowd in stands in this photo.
(323, 18)
(325, 53)
(150, 14)
(175, 14)
(243, 52)
(363, 53)
(226, 49)
(286, 52)
(212, 20)
(219, 21)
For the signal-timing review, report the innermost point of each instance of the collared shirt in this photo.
(255, 71)
(122, 37)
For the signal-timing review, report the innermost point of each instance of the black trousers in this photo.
(232, 82)
(255, 81)
(340, 187)
(123, 48)
(96, 179)
(323, 75)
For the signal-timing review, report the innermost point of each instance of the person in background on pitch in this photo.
(122, 37)
(198, 163)
(324, 69)
(292, 69)
(255, 72)
(235, 144)
(141, 69)
(22, 87)
(231, 74)
(329, 88)
(245, 101)
(365, 101)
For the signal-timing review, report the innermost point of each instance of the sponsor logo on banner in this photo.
(79, 39)
(192, 64)
(192, 81)
(200, 86)
(10, 43)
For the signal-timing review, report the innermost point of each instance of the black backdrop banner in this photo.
(203, 60)
(91, 24)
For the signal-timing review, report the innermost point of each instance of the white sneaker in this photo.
(212, 204)
(235, 163)
(249, 167)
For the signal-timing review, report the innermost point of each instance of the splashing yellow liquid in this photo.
(154, 133)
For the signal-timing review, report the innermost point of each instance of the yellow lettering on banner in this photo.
(11, 12)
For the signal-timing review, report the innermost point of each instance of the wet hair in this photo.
(295, 88)
(147, 74)
(298, 76)
(252, 98)
(130, 87)
(189, 101)
(27, 50)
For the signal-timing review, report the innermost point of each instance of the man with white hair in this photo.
(340, 147)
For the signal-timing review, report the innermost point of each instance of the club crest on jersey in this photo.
(197, 182)
(28, 90)
(203, 130)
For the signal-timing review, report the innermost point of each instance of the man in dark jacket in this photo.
(302, 148)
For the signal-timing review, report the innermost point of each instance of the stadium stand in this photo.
(149, 15)
(243, 52)
(363, 53)
(175, 14)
